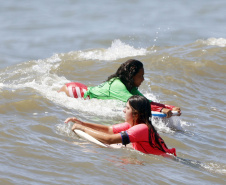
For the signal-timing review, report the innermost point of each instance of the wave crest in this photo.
(221, 42)
(117, 50)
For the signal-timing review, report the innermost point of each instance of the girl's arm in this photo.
(166, 109)
(98, 127)
(108, 138)
(159, 107)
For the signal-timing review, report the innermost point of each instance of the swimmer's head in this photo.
(131, 73)
(141, 109)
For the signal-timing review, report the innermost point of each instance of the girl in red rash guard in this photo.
(137, 129)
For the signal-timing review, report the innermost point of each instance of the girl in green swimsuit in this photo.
(121, 86)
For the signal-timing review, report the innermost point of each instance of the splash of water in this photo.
(117, 50)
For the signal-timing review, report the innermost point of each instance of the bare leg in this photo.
(64, 89)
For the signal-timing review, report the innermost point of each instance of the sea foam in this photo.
(117, 50)
(221, 42)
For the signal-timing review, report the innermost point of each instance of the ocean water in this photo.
(45, 44)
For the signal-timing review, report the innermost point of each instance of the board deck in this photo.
(90, 138)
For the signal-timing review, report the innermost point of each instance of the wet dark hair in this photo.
(141, 106)
(126, 72)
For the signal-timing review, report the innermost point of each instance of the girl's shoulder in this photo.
(140, 128)
(115, 79)
(138, 132)
(120, 127)
(116, 82)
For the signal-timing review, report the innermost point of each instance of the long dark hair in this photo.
(126, 72)
(141, 106)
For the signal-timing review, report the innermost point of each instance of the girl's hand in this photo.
(74, 120)
(177, 109)
(78, 127)
(168, 112)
